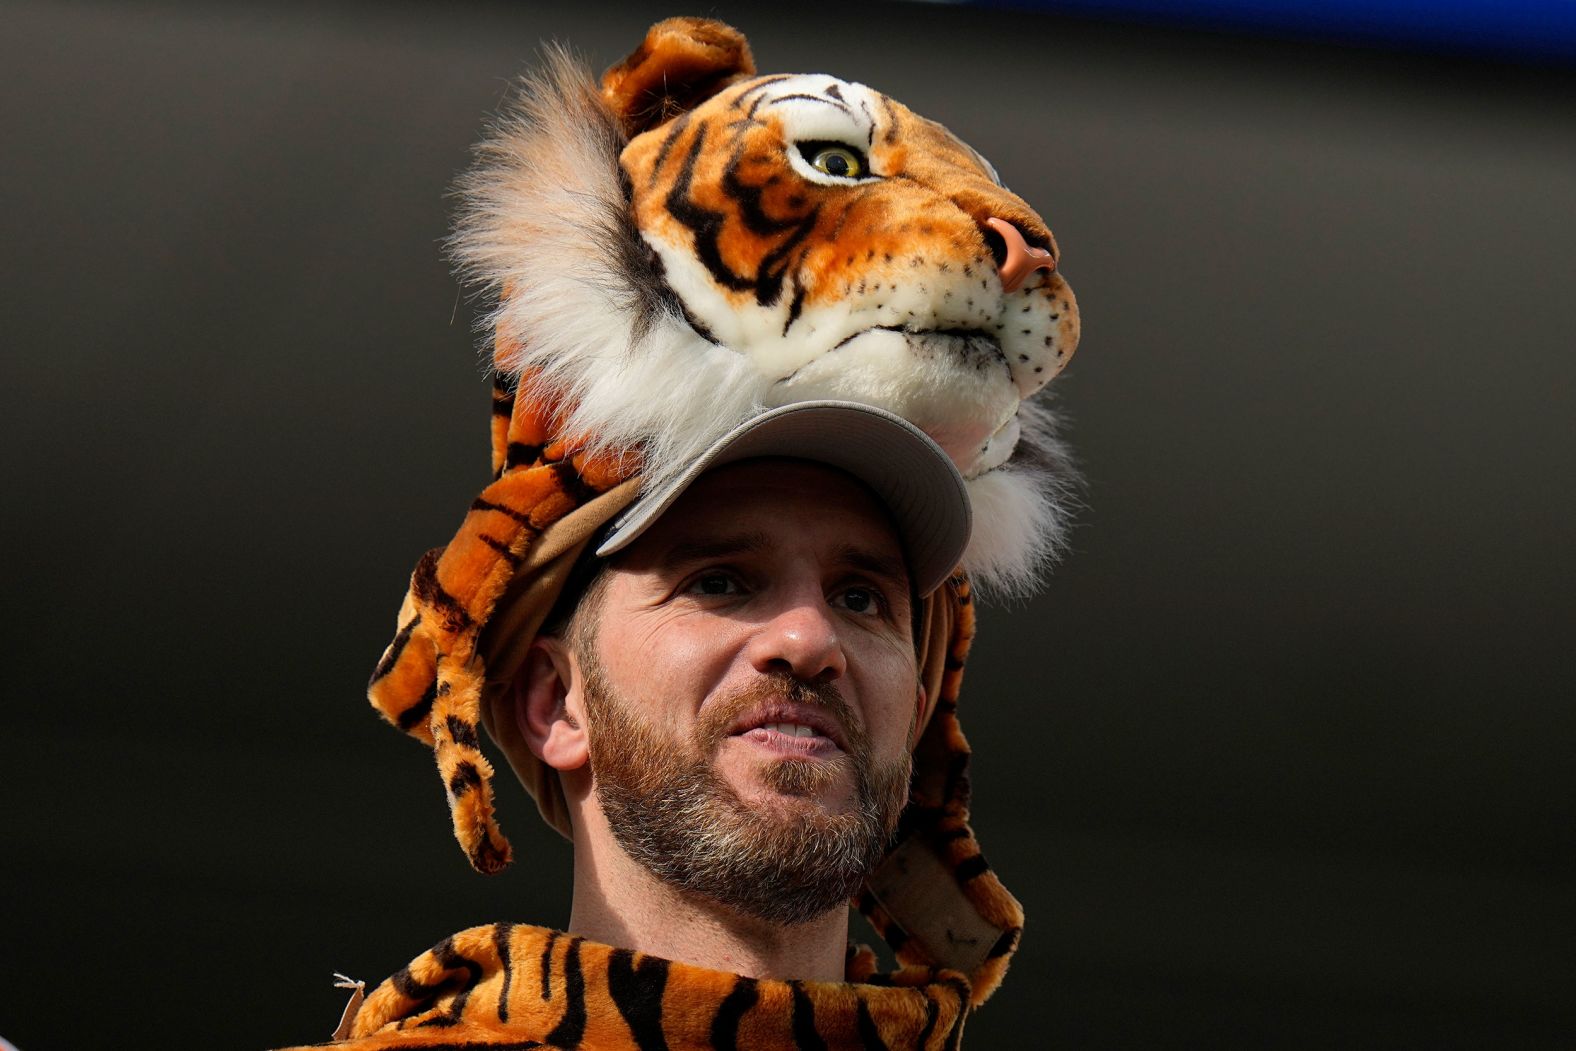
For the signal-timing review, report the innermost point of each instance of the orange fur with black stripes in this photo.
(429, 681)
(514, 986)
(668, 260)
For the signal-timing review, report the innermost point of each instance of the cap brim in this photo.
(902, 466)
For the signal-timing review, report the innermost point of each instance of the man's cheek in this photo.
(893, 703)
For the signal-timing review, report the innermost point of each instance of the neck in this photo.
(618, 902)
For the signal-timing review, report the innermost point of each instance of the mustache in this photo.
(712, 728)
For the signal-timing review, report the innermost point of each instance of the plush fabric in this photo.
(514, 986)
(669, 256)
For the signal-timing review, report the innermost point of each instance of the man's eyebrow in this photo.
(685, 552)
(889, 568)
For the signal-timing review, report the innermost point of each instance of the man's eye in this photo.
(714, 584)
(862, 600)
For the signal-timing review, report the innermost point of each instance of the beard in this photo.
(674, 814)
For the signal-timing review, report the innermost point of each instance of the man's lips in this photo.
(800, 729)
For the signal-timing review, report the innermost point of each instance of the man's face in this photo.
(751, 687)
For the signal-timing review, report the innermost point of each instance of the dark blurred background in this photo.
(1281, 757)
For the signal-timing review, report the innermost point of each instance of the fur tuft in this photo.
(1022, 510)
(583, 311)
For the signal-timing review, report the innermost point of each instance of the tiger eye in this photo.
(839, 161)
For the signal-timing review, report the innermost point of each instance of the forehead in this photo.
(781, 501)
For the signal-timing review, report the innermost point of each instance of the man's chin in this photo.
(797, 787)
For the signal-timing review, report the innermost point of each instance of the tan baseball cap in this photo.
(907, 471)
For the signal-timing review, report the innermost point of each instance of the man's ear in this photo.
(547, 706)
(916, 728)
(681, 63)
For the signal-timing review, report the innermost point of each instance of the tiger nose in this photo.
(1020, 258)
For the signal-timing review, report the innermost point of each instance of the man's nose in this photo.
(802, 640)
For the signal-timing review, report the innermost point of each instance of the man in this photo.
(724, 657)
(721, 712)
(732, 705)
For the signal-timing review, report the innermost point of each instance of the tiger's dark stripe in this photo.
(739, 125)
(932, 1012)
(519, 453)
(424, 583)
(396, 648)
(725, 1024)
(703, 222)
(796, 306)
(501, 935)
(412, 988)
(502, 549)
(466, 777)
(748, 199)
(955, 1034)
(774, 267)
(462, 732)
(1005, 944)
(699, 326)
(891, 118)
(870, 126)
(575, 486)
(418, 712)
(444, 954)
(487, 857)
(868, 1031)
(642, 267)
(804, 1034)
(753, 98)
(666, 148)
(637, 990)
(572, 1026)
(480, 504)
(547, 965)
(971, 868)
(813, 98)
(451, 959)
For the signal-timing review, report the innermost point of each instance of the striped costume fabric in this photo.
(516, 986)
(429, 681)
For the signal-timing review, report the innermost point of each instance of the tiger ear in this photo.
(681, 63)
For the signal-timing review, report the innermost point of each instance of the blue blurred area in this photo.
(1515, 29)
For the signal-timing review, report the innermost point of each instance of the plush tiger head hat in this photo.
(674, 250)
